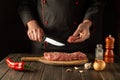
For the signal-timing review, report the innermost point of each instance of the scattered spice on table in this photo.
(76, 68)
(68, 70)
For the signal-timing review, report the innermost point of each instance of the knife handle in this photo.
(30, 58)
(44, 38)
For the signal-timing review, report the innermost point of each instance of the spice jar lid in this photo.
(99, 45)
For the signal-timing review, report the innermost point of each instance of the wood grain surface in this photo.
(66, 63)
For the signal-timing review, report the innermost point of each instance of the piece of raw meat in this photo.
(62, 56)
(71, 39)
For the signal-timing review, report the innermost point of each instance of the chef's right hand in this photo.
(35, 32)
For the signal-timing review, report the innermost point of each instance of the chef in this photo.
(74, 23)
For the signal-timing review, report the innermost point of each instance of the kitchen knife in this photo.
(53, 42)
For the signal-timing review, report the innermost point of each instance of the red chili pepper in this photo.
(20, 66)
(9, 61)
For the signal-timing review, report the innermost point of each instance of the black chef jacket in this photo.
(60, 18)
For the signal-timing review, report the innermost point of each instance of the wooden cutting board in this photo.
(75, 62)
(66, 63)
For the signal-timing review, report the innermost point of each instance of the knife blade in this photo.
(53, 42)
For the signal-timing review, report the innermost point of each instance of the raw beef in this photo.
(62, 56)
(71, 39)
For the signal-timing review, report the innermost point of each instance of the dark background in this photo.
(13, 38)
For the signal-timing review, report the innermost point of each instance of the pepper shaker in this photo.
(109, 54)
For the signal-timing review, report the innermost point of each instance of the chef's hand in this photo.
(34, 32)
(82, 32)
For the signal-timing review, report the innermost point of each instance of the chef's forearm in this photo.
(32, 23)
(27, 10)
(88, 22)
(93, 11)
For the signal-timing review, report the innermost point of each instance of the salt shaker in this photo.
(99, 52)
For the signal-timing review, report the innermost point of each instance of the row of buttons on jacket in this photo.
(76, 2)
(46, 22)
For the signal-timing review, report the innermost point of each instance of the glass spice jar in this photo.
(99, 52)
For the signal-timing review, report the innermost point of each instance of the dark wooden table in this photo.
(50, 72)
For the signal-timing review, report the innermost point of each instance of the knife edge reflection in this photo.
(53, 42)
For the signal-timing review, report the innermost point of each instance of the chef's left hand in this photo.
(82, 32)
